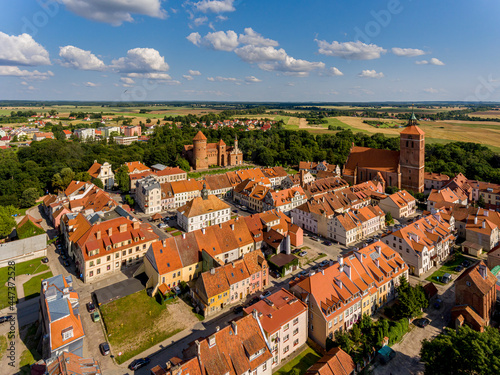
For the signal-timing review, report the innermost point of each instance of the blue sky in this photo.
(242, 50)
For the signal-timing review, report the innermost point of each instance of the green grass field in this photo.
(30, 355)
(30, 266)
(33, 285)
(302, 362)
(134, 324)
(3, 345)
(448, 267)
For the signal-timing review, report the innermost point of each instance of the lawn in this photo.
(302, 362)
(30, 266)
(214, 171)
(3, 345)
(32, 286)
(170, 229)
(174, 234)
(448, 267)
(30, 354)
(135, 323)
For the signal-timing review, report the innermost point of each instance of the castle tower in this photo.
(412, 156)
(200, 160)
(221, 149)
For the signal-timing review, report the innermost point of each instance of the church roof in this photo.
(373, 158)
(200, 137)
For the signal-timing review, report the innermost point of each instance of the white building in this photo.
(148, 195)
(202, 212)
(104, 173)
(85, 134)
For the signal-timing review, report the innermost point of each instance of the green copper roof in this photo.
(413, 116)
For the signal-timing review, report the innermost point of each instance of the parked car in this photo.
(5, 318)
(302, 273)
(254, 300)
(437, 304)
(370, 240)
(421, 322)
(303, 253)
(235, 211)
(66, 263)
(275, 274)
(459, 268)
(324, 263)
(238, 309)
(95, 316)
(446, 278)
(266, 294)
(327, 243)
(466, 263)
(138, 363)
(64, 257)
(45, 260)
(90, 307)
(104, 348)
(296, 251)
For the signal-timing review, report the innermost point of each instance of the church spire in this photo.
(204, 192)
(413, 119)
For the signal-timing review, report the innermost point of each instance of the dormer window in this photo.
(67, 333)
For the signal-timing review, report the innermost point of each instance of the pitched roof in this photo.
(199, 206)
(199, 136)
(335, 362)
(94, 169)
(136, 165)
(373, 158)
(164, 257)
(413, 130)
(473, 275)
(71, 364)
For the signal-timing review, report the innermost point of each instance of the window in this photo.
(285, 339)
(264, 367)
(108, 267)
(91, 273)
(117, 264)
(91, 263)
(117, 255)
(286, 349)
(295, 331)
(99, 261)
(296, 342)
(285, 328)
(296, 321)
(98, 271)
(108, 258)
(330, 324)
(124, 252)
(67, 334)
(130, 251)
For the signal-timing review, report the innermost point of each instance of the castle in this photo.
(201, 154)
(403, 169)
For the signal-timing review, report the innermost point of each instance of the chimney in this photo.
(379, 249)
(484, 224)
(212, 271)
(323, 271)
(123, 228)
(183, 236)
(235, 327)
(339, 283)
(98, 235)
(211, 339)
(135, 225)
(486, 213)
(203, 230)
(347, 270)
(164, 242)
(232, 226)
(475, 220)
(110, 231)
(217, 329)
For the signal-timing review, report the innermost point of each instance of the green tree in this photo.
(183, 164)
(462, 352)
(411, 300)
(122, 179)
(97, 182)
(83, 176)
(61, 180)
(7, 222)
(29, 197)
(388, 219)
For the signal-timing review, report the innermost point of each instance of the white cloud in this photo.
(73, 57)
(350, 50)
(333, 71)
(91, 84)
(407, 52)
(194, 73)
(220, 17)
(200, 21)
(252, 79)
(22, 50)
(292, 66)
(222, 79)
(187, 77)
(432, 61)
(253, 54)
(114, 12)
(141, 60)
(215, 6)
(290, 84)
(24, 83)
(430, 90)
(435, 61)
(370, 74)
(219, 40)
(255, 39)
(14, 71)
(31, 88)
(127, 80)
(158, 76)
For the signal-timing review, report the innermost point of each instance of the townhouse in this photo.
(240, 348)
(488, 192)
(59, 318)
(184, 191)
(148, 194)
(345, 228)
(283, 318)
(40, 136)
(325, 185)
(276, 175)
(202, 212)
(220, 185)
(230, 283)
(109, 246)
(434, 181)
(372, 219)
(170, 174)
(322, 166)
(358, 283)
(104, 173)
(424, 243)
(135, 167)
(68, 364)
(400, 204)
(251, 194)
(335, 362)
(284, 200)
(440, 196)
(299, 179)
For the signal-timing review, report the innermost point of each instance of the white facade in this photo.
(148, 195)
(190, 224)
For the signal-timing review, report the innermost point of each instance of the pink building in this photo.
(283, 318)
(130, 131)
(258, 271)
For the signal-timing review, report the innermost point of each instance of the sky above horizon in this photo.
(236, 50)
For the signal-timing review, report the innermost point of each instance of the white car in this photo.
(303, 253)
(265, 294)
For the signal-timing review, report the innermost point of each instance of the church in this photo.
(403, 169)
(201, 154)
